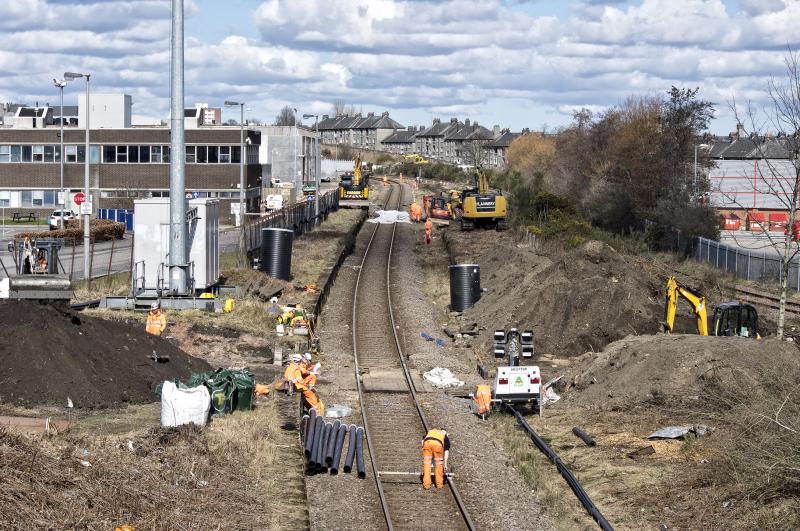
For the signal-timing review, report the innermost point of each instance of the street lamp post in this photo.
(316, 164)
(294, 164)
(229, 103)
(88, 213)
(60, 84)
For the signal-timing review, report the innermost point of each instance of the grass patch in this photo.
(116, 284)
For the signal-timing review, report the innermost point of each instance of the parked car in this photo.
(325, 179)
(56, 216)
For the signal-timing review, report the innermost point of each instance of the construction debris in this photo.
(680, 432)
(442, 378)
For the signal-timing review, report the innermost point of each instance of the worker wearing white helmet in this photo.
(292, 373)
(156, 321)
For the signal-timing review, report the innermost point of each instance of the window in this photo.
(109, 154)
(202, 154)
(38, 198)
(224, 154)
(27, 153)
(27, 199)
(81, 154)
(155, 154)
(122, 153)
(49, 198)
(133, 154)
(5, 202)
(165, 155)
(49, 154)
(94, 152)
(236, 154)
(16, 153)
(56, 153)
(190, 155)
(38, 153)
(213, 154)
(5, 153)
(144, 153)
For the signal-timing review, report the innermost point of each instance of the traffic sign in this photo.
(79, 198)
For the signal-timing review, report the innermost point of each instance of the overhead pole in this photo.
(177, 163)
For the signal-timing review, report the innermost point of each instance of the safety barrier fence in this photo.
(298, 217)
(745, 264)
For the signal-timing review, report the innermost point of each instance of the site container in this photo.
(730, 222)
(778, 221)
(757, 221)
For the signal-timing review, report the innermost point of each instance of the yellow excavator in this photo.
(483, 207)
(730, 318)
(354, 185)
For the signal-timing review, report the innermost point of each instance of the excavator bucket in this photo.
(36, 273)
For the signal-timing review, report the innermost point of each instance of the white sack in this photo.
(387, 217)
(442, 378)
(184, 406)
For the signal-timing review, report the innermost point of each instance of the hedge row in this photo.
(100, 230)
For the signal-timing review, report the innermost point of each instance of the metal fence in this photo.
(299, 217)
(745, 264)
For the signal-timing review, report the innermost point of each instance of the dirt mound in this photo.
(665, 369)
(49, 353)
(575, 302)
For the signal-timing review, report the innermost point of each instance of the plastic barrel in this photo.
(465, 286)
(276, 253)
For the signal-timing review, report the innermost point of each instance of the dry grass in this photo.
(116, 284)
(227, 476)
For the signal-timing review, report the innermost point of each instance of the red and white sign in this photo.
(79, 198)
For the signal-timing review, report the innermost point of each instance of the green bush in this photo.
(99, 230)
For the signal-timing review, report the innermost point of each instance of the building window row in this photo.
(116, 154)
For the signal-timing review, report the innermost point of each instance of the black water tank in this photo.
(276, 253)
(465, 286)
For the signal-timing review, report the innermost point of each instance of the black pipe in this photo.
(326, 436)
(362, 472)
(572, 481)
(585, 437)
(351, 450)
(332, 442)
(337, 452)
(308, 437)
(319, 427)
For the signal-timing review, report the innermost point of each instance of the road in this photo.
(108, 257)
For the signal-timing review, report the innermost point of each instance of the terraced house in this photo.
(359, 132)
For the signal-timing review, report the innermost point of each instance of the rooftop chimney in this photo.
(385, 114)
(436, 121)
(370, 115)
(739, 130)
(453, 120)
(324, 116)
(466, 122)
(496, 130)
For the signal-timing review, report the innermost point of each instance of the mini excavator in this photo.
(355, 184)
(730, 318)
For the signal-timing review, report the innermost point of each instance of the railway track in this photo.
(393, 419)
(767, 300)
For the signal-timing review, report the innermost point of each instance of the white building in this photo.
(108, 111)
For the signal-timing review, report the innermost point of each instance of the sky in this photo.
(514, 63)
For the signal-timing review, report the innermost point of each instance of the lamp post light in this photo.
(294, 164)
(60, 84)
(229, 103)
(317, 165)
(68, 76)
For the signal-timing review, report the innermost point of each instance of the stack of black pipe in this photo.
(323, 444)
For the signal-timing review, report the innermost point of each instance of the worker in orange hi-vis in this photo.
(385, 180)
(426, 203)
(416, 212)
(435, 451)
(428, 231)
(291, 372)
(156, 320)
(483, 400)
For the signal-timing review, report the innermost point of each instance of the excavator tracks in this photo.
(394, 421)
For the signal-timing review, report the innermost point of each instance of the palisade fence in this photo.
(745, 264)
(298, 217)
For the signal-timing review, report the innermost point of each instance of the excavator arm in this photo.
(697, 300)
(357, 170)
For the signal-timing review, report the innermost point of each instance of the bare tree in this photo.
(341, 108)
(774, 132)
(285, 117)
(474, 153)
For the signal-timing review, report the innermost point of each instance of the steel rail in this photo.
(370, 447)
(409, 381)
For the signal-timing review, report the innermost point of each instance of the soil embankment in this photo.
(49, 353)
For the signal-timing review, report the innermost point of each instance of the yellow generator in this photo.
(354, 185)
(482, 207)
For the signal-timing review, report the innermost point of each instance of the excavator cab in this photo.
(735, 319)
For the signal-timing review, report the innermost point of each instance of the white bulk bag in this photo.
(182, 406)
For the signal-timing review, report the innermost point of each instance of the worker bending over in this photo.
(483, 400)
(303, 379)
(436, 450)
(156, 320)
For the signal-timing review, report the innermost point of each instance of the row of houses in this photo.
(451, 142)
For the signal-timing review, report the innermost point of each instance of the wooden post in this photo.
(110, 259)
